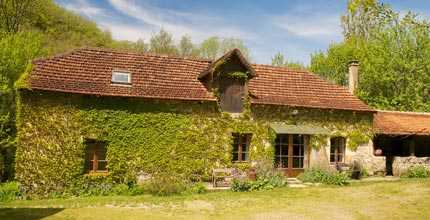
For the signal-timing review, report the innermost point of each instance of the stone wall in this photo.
(402, 164)
(374, 165)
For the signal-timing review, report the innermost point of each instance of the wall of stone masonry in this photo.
(374, 165)
(402, 164)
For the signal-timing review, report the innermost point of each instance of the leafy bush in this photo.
(418, 171)
(9, 191)
(318, 175)
(165, 184)
(120, 189)
(90, 185)
(198, 188)
(137, 190)
(241, 185)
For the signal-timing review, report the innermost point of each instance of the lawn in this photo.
(405, 199)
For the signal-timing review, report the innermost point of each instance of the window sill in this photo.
(240, 161)
(120, 84)
(98, 173)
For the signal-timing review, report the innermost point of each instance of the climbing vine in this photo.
(186, 138)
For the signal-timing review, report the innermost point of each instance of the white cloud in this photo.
(84, 8)
(179, 23)
(125, 32)
(313, 26)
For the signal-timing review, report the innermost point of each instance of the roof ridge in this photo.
(151, 54)
(281, 67)
(405, 112)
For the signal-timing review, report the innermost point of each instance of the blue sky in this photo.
(295, 28)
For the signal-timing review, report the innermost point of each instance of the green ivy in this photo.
(184, 138)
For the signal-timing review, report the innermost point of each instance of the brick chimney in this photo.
(353, 75)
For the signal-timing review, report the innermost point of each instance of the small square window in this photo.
(121, 77)
(337, 149)
(241, 144)
(95, 156)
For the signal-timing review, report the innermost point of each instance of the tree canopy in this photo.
(394, 55)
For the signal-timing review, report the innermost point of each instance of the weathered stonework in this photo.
(402, 164)
(364, 154)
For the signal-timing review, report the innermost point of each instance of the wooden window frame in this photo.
(336, 146)
(93, 154)
(289, 143)
(243, 138)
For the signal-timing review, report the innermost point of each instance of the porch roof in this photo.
(281, 128)
(402, 123)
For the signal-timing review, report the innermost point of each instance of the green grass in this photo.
(405, 199)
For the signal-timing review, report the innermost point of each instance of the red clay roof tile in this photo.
(402, 123)
(89, 71)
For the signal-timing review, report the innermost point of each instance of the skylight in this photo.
(121, 77)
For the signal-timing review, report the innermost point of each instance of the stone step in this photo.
(293, 181)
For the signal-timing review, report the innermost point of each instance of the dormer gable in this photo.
(228, 77)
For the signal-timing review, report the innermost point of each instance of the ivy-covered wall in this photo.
(184, 138)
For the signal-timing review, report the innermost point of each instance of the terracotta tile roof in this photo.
(278, 86)
(402, 123)
(89, 71)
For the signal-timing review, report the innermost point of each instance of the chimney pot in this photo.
(353, 75)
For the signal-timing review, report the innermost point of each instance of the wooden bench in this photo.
(224, 176)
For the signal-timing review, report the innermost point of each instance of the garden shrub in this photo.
(120, 190)
(241, 185)
(198, 188)
(418, 171)
(9, 191)
(163, 184)
(267, 178)
(91, 185)
(318, 175)
(137, 190)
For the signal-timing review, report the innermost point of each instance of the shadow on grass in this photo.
(27, 213)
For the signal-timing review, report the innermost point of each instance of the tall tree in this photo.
(186, 47)
(16, 52)
(214, 47)
(232, 43)
(14, 13)
(361, 18)
(394, 55)
(280, 60)
(210, 48)
(162, 43)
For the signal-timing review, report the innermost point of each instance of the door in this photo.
(290, 153)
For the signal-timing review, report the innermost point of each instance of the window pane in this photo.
(121, 77)
(244, 156)
(277, 149)
(298, 139)
(339, 158)
(332, 159)
(284, 149)
(235, 156)
(244, 147)
(298, 162)
(284, 162)
(102, 165)
(298, 150)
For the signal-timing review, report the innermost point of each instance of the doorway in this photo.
(290, 153)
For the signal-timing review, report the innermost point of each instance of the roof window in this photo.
(121, 77)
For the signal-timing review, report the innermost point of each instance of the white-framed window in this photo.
(121, 77)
